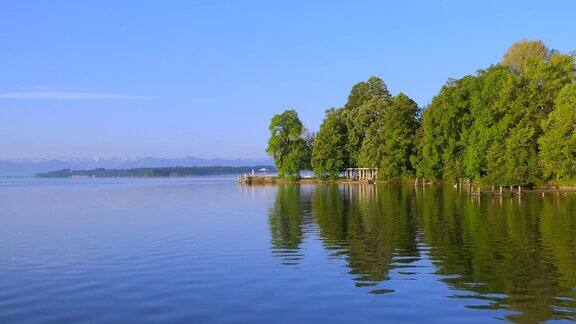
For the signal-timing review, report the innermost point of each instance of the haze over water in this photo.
(207, 249)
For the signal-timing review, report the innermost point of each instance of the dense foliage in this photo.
(289, 144)
(491, 126)
(511, 123)
(388, 143)
(373, 129)
(558, 143)
(328, 155)
(151, 172)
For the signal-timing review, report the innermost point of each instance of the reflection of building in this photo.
(361, 174)
(355, 191)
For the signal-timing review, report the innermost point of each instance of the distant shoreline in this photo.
(163, 172)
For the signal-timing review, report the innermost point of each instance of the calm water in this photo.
(208, 250)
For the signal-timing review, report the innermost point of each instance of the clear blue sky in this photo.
(203, 78)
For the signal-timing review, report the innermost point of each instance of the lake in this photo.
(209, 250)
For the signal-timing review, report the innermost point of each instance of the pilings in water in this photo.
(514, 191)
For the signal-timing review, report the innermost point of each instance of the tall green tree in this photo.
(286, 144)
(493, 111)
(487, 126)
(329, 155)
(523, 105)
(389, 141)
(558, 143)
(366, 104)
(445, 120)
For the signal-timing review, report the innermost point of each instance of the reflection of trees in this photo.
(369, 226)
(499, 254)
(502, 251)
(558, 236)
(558, 229)
(287, 218)
(331, 209)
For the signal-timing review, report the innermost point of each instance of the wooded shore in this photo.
(511, 123)
(472, 188)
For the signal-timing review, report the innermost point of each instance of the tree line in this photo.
(511, 123)
(152, 172)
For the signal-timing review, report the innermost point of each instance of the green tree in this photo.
(366, 103)
(309, 139)
(521, 105)
(492, 114)
(444, 122)
(487, 126)
(510, 123)
(329, 156)
(558, 143)
(521, 53)
(286, 144)
(389, 141)
(547, 78)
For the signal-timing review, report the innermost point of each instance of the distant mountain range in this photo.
(28, 167)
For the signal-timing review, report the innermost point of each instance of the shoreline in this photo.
(484, 189)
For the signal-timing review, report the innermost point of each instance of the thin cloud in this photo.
(67, 95)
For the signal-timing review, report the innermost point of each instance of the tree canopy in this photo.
(388, 143)
(366, 103)
(373, 129)
(558, 143)
(521, 53)
(329, 156)
(510, 123)
(487, 126)
(287, 145)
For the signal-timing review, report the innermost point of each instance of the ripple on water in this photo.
(177, 251)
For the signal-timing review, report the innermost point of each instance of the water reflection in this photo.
(504, 254)
(288, 217)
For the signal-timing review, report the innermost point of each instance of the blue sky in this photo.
(202, 78)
